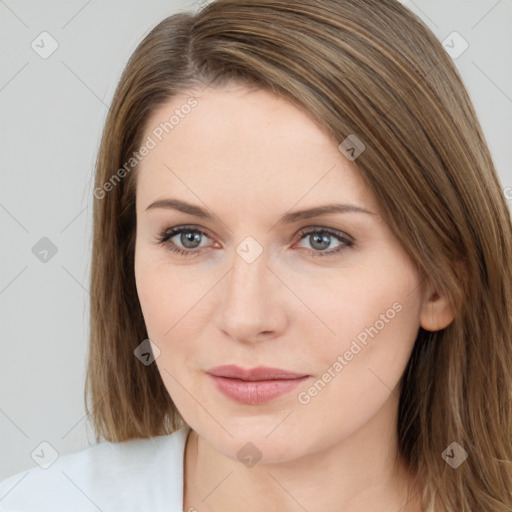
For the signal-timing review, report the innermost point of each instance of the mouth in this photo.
(256, 385)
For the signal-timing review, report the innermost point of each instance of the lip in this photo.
(254, 386)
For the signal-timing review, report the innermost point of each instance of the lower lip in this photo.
(254, 392)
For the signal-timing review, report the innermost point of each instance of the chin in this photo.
(258, 442)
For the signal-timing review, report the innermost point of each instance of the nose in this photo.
(253, 302)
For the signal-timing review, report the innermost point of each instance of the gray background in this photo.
(52, 112)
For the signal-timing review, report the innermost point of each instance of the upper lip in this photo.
(252, 374)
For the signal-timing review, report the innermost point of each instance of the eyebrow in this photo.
(287, 218)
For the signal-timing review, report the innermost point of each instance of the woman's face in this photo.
(331, 297)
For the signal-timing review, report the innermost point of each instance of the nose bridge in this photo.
(247, 277)
(249, 301)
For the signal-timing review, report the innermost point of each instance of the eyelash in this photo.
(167, 234)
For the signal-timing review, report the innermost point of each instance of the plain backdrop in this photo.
(52, 112)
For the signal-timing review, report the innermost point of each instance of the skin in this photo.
(249, 157)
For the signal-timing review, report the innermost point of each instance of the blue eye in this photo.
(190, 239)
(322, 237)
(188, 236)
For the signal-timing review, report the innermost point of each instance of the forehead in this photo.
(247, 144)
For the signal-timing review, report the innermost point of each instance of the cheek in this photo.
(164, 293)
(376, 299)
(359, 368)
(149, 294)
(164, 303)
(374, 313)
(174, 310)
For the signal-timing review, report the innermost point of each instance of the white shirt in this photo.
(139, 475)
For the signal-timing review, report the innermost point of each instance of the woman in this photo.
(301, 282)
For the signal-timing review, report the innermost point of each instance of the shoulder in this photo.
(138, 475)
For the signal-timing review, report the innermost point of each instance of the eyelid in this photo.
(324, 229)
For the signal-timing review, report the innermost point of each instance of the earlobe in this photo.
(436, 312)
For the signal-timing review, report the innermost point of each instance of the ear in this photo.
(436, 313)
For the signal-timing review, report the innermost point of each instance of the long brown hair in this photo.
(364, 67)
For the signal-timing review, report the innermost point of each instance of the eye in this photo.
(321, 238)
(189, 238)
